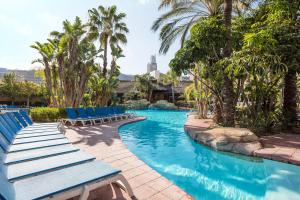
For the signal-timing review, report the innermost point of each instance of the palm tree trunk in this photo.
(290, 99)
(105, 57)
(228, 93)
(49, 82)
(173, 95)
(28, 99)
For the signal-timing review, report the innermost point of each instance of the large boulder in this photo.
(236, 140)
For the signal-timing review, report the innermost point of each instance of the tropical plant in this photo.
(46, 51)
(106, 25)
(180, 17)
(70, 58)
(171, 78)
(29, 89)
(145, 85)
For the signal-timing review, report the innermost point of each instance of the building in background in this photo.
(152, 66)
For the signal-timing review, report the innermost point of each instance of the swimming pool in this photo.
(160, 142)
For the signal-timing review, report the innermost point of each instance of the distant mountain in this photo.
(126, 77)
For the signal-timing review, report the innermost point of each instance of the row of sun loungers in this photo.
(38, 162)
(94, 116)
(8, 107)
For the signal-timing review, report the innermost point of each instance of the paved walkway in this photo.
(105, 144)
(280, 147)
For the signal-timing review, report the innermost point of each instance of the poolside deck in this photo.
(105, 144)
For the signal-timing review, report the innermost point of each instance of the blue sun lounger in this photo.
(9, 129)
(101, 112)
(37, 170)
(28, 124)
(92, 114)
(15, 126)
(85, 115)
(73, 118)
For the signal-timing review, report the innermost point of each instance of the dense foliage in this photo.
(13, 88)
(258, 75)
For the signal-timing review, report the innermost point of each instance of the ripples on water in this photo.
(160, 141)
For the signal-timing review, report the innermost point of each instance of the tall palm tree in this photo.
(183, 14)
(228, 92)
(46, 51)
(107, 25)
(177, 23)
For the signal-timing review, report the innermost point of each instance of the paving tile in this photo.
(173, 192)
(133, 172)
(160, 184)
(283, 154)
(265, 152)
(144, 192)
(295, 158)
(158, 196)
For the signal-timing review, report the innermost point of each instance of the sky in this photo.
(22, 22)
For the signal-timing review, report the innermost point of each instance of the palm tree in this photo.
(46, 51)
(107, 25)
(144, 84)
(181, 17)
(178, 21)
(171, 78)
(228, 93)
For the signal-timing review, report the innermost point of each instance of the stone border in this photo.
(279, 152)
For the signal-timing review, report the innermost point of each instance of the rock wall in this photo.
(235, 140)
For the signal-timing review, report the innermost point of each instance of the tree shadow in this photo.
(93, 135)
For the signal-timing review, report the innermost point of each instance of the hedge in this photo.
(47, 114)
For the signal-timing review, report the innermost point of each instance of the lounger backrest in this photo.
(4, 144)
(121, 109)
(6, 191)
(14, 120)
(99, 112)
(117, 110)
(26, 117)
(82, 113)
(91, 112)
(109, 111)
(6, 126)
(9, 136)
(20, 119)
(10, 123)
(71, 113)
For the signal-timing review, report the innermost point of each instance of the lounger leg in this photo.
(85, 193)
(125, 184)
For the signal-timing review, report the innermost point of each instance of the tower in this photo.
(152, 66)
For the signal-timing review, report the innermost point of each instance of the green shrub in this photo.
(164, 105)
(47, 114)
(184, 103)
(137, 104)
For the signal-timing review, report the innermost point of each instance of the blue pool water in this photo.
(160, 141)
